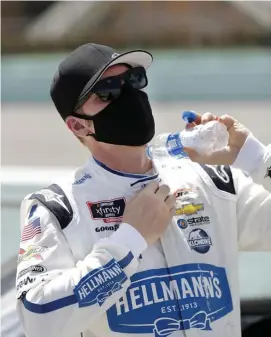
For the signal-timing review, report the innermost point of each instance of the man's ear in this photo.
(78, 126)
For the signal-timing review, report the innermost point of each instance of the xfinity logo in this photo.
(107, 210)
(103, 211)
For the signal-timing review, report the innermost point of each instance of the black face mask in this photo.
(127, 120)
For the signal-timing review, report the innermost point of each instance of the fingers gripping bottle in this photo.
(204, 139)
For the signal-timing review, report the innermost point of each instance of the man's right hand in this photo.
(151, 211)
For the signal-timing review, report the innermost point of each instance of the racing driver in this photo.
(129, 246)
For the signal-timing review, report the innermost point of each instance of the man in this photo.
(130, 246)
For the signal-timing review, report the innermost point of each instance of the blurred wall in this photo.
(39, 25)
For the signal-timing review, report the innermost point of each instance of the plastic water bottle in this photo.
(204, 138)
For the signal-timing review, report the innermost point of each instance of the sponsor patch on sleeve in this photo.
(100, 284)
(31, 229)
(24, 285)
(35, 269)
(31, 252)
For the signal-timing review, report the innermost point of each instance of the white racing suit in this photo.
(82, 273)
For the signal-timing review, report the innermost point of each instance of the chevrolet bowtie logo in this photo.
(189, 209)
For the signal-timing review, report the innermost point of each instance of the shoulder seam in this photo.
(56, 201)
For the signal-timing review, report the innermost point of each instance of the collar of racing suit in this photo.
(105, 173)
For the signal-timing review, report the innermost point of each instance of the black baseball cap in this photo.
(79, 72)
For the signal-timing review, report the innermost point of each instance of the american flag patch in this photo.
(31, 229)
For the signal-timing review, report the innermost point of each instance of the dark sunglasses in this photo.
(110, 88)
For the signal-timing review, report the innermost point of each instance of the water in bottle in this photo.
(204, 138)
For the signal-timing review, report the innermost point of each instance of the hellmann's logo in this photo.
(199, 294)
(99, 284)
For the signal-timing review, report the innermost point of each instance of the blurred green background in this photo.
(208, 56)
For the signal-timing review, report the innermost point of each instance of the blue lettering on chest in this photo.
(165, 300)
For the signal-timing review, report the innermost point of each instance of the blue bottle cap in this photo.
(189, 116)
(149, 151)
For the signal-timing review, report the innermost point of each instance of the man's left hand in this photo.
(237, 136)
